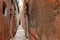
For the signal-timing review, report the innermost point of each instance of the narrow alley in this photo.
(20, 35)
(29, 19)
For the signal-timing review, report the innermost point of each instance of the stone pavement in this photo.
(20, 35)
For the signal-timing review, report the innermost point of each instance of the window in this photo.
(11, 1)
(10, 13)
(4, 9)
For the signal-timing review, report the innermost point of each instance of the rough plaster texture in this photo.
(5, 20)
(46, 14)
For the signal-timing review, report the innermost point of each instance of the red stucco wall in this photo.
(44, 20)
(5, 20)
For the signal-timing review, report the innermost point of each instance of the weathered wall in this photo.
(7, 21)
(13, 21)
(4, 22)
(14, 18)
(44, 20)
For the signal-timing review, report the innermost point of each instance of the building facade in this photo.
(44, 20)
(7, 19)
